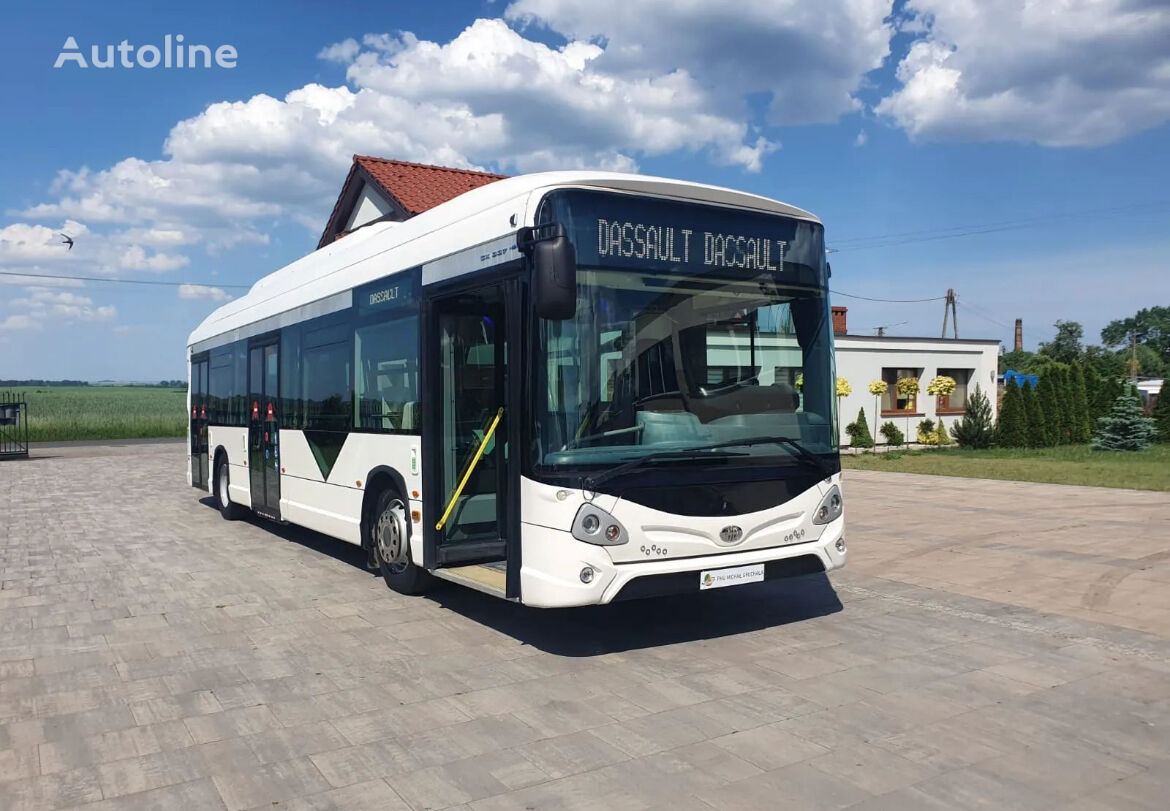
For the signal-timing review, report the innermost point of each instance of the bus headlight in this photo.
(594, 525)
(830, 507)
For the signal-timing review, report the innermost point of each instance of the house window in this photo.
(894, 403)
(956, 401)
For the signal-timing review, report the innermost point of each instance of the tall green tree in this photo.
(1018, 360)
(1037, 433)
(1065, 346)
(1059, 426)
(1012, 429)
(1125, 427)
(1046, 398)
(1107, 362)
(1092, 384)
(1161, 416)
(1149, 327)
(1081, 431)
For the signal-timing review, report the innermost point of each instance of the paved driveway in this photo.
(992, 645)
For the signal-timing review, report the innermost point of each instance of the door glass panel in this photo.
(472, 368)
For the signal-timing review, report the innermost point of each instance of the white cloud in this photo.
(136, 258)
(861, 140)
(615, 91)
(199, 291)
(1058, 73)
(808, 58)
(40, 304)
(343, 51)
(19, 322)
(24, 242)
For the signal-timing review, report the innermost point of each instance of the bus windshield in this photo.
(695, 326)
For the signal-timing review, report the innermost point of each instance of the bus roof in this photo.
(472, 218)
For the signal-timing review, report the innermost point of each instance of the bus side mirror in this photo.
(554, 271)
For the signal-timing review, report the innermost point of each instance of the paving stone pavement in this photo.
(991, 645)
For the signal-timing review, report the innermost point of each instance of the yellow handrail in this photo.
(474, 461)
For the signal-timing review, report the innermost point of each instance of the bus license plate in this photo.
(718, 578)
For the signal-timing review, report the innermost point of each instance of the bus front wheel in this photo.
(391, 545)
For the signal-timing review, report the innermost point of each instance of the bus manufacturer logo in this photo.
(730, 534)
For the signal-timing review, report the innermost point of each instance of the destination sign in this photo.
(393, 292)
(667, 243)
(675, 237)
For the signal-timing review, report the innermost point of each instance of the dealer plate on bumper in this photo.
(718, 578)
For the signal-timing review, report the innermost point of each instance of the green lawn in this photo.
(104, 412)
(1074, 464)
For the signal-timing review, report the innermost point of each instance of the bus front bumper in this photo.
(552, 574)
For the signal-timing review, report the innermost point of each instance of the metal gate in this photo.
(13, 426)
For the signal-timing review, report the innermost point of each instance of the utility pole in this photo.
(949, 310)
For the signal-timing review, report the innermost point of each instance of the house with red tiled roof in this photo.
(384, 189)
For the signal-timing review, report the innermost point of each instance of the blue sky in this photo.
(884, 120)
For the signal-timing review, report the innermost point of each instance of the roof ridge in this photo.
(431, 166)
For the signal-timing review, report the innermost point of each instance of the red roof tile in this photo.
(417, 186)
(414, 187)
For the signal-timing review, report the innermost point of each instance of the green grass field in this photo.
(58, 413)
(1072, 464)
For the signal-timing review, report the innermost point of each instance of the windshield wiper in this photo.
(593, 482)
(799, 449)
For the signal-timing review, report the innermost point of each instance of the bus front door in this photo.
(198, 389)
(471, 419)
(264, 429)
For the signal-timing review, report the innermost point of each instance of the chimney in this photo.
(839, 320)
(1019, 334)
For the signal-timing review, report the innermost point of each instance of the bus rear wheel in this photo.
(391, 544)
(227, 508)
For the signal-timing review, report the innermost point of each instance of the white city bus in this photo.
(563, 389)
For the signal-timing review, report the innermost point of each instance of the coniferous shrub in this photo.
(1125, 427)
(1012, 429)
(975, 429)
(1081, 431)
(1063, 405)
(1092, 386)
(1037, 430)
(941, 435)
(924, 435)
(858, 430)
(1046, 399)
(1161, 416)
(892, 434)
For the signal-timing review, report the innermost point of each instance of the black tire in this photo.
(227, 508)
(391, 516)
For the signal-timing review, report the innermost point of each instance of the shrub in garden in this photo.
(891, 433)
(1037, 433)
(975, 429)
(1081, 430)
(1046, 399)
(1012, 428)
(1161, 416)
(1125, 427)
(942, 436)
(925, 433)
(858, 430)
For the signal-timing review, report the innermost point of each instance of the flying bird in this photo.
(67, 240)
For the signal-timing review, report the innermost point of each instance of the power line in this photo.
(978, 313)
(952, 232)
(157, 282)
(887, 300)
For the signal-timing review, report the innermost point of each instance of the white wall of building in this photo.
(860, 360)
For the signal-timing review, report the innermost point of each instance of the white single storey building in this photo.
(862, 359)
